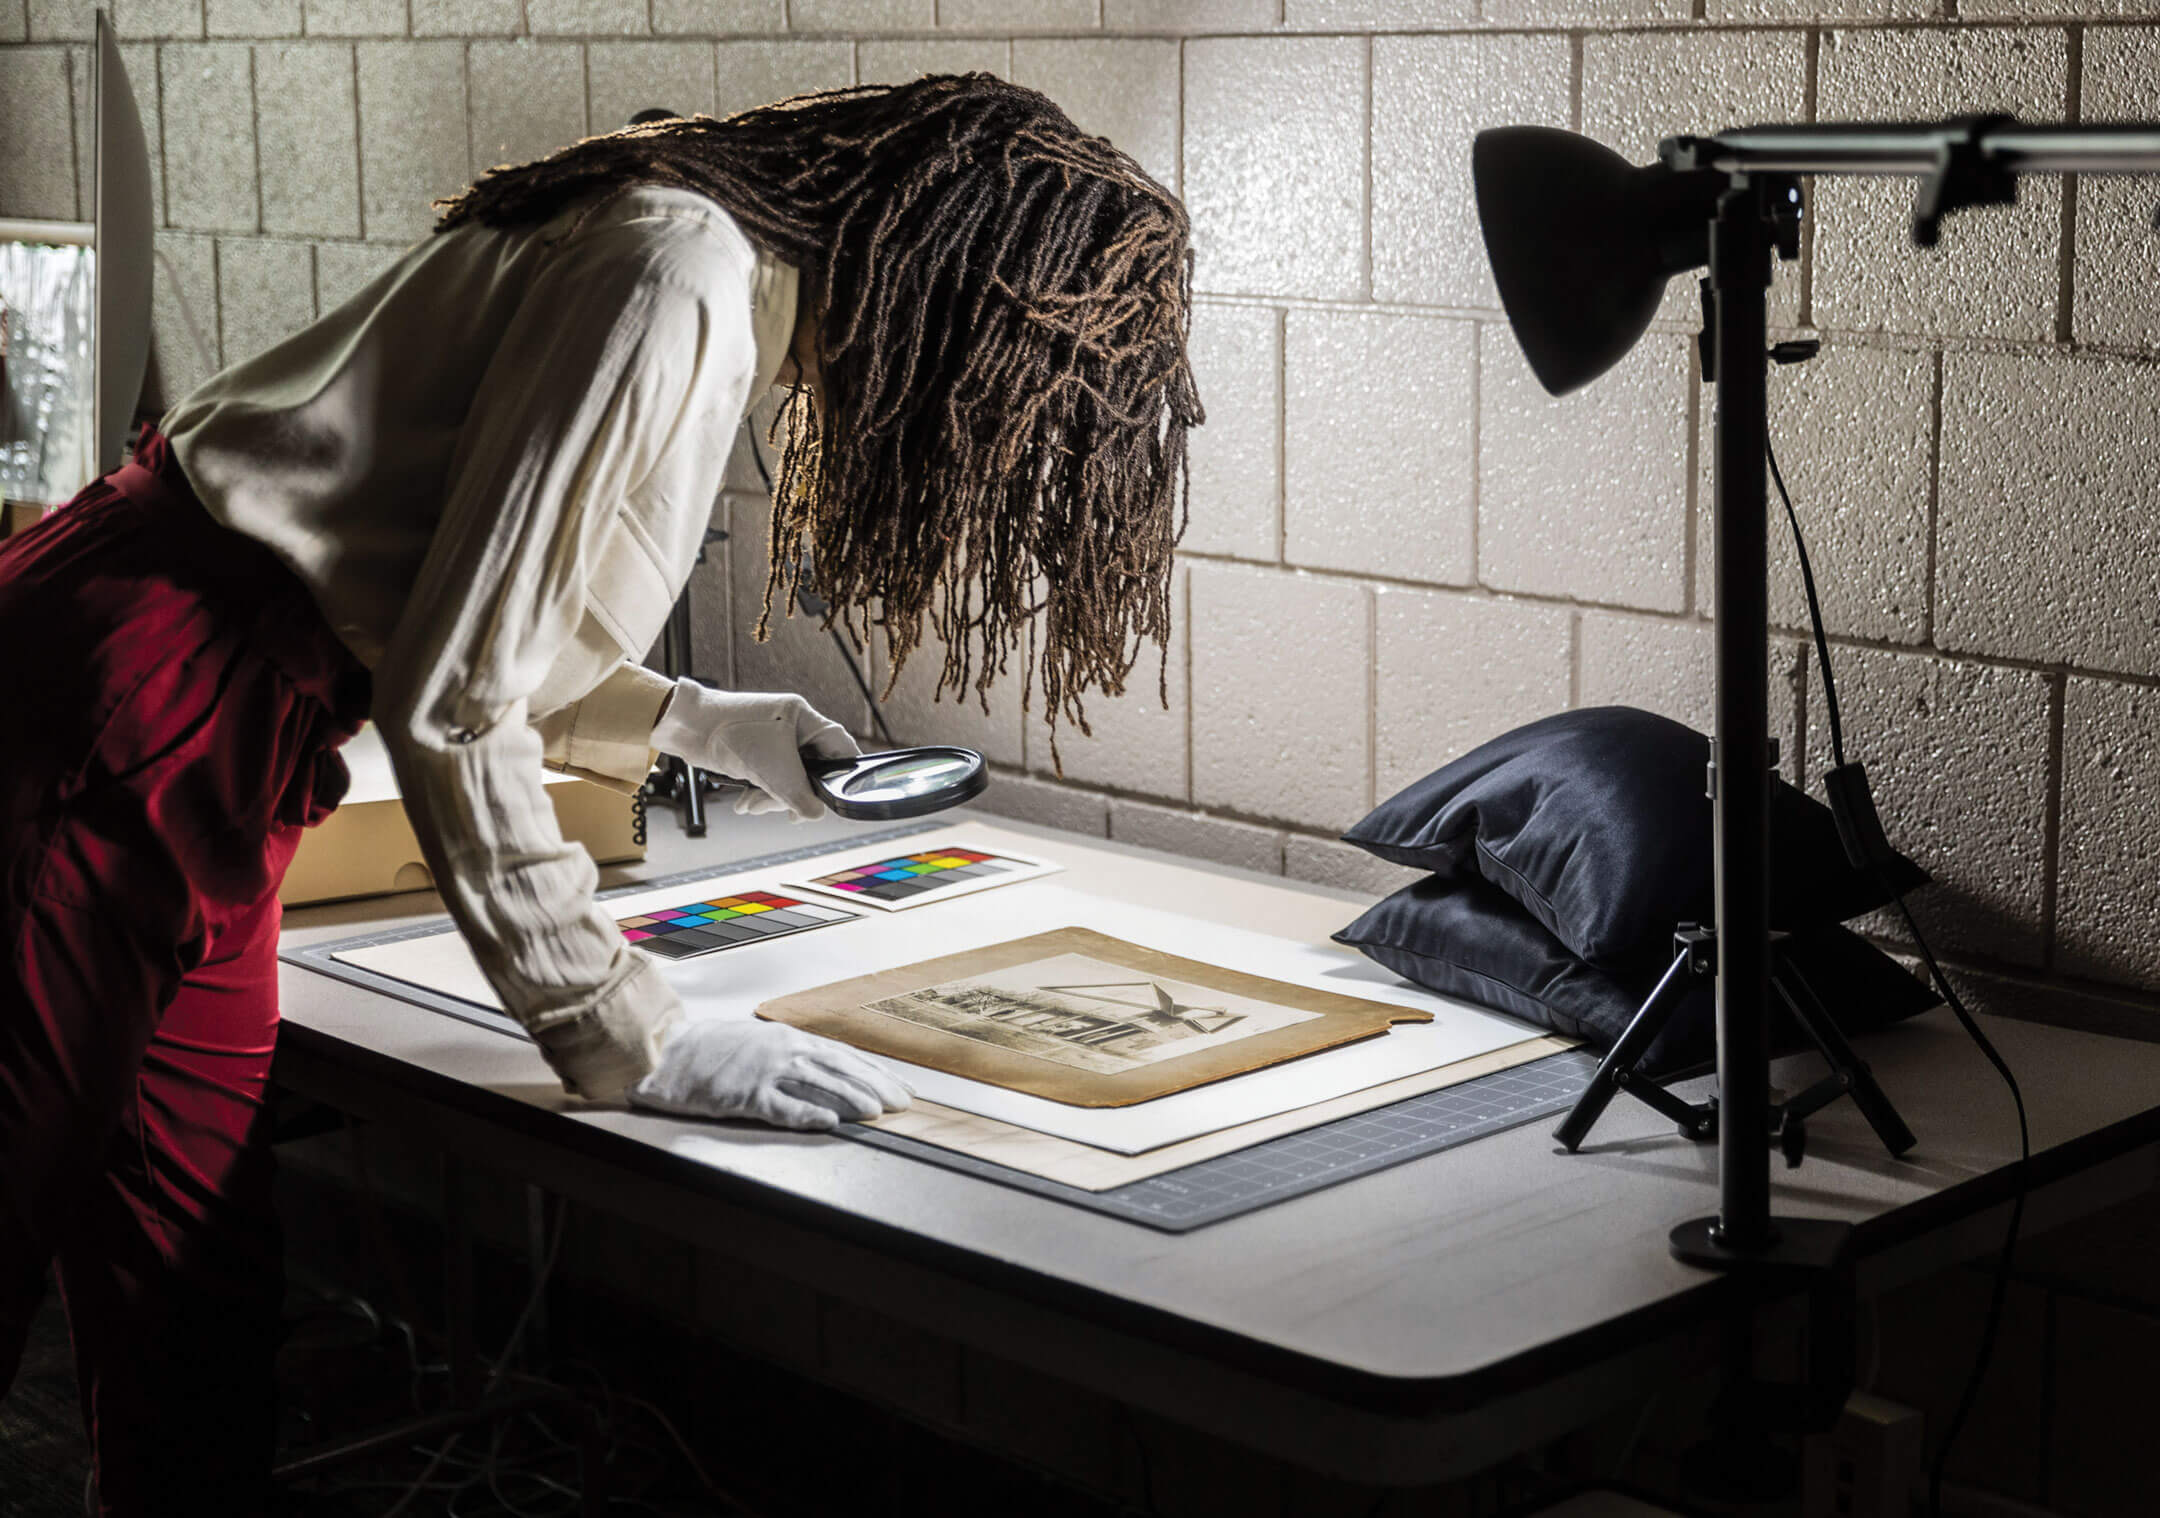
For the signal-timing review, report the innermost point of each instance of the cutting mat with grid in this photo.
(1177, 1201)
(1230, 1185)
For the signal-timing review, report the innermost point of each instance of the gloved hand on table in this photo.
(770, 1071)
(755, 737)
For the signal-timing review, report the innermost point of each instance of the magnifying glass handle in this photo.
(823, 766)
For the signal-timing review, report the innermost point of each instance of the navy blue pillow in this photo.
(1467, 939)
(1598, 822)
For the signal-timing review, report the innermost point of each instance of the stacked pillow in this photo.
(1564, 855)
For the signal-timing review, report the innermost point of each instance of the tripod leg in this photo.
(1845, 1061)
(675, 639)
(693, 800)
(1639, 1034)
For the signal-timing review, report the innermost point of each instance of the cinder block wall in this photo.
(1399, 545)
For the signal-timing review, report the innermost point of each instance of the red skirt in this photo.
(171, 703)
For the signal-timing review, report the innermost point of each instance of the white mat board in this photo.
(1092, 1169)
(804, 880)
(734, 982)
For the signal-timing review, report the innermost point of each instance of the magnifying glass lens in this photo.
(899, 783)
(906, 777)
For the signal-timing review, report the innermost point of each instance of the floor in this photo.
(337, 1374)
(42, 1457)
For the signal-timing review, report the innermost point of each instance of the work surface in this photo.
(1362, 1321)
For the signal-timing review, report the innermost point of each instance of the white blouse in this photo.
(493, 468)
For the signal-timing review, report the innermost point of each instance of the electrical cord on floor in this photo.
(1853, 794)
(611, 1401)
(502, 1361)
(460, 1476)
(813, 605)
(512, 1474)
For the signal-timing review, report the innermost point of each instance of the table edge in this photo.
(1366, 1390)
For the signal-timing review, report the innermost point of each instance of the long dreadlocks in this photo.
(1003, 307)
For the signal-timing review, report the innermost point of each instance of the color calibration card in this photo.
(917, 879)
(727, 922)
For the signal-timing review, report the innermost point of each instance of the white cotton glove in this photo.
(768, 1071)
(755, 737)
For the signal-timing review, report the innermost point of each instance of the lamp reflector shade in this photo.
(1574, 235)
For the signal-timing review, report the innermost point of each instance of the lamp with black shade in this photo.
(1582, 244)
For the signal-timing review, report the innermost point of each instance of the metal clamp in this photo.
(1964, 175)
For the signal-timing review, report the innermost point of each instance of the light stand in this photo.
(675, 781)
(1581, 245)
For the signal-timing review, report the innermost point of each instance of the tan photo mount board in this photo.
(841, 1011)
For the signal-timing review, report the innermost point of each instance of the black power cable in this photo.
(813, 605)
(1858, 826)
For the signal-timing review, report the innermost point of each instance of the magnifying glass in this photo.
(901, 782)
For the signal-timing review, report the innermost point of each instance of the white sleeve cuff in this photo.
(610, 731)
(603, 1050)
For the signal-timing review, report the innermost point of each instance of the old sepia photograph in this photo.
(1088, 1014)
(1081, 1017)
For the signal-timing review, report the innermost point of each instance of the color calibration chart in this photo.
(912, 880)
(727, 922)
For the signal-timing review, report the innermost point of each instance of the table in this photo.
(1409, 1327)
